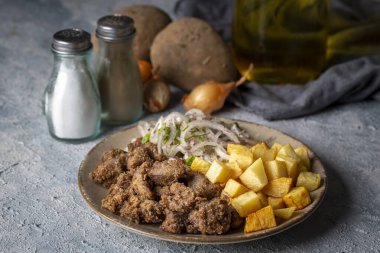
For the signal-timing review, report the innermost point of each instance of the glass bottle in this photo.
(72, 104)
(118, 76)
(284, 39)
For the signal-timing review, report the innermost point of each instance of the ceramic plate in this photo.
(93, 193)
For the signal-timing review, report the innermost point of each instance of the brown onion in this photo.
(211, 96)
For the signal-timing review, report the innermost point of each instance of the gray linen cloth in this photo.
(351, 81)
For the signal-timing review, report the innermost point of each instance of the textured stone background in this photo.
(41, 209)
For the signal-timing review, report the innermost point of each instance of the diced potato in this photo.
(275, 169)
(276, 147)
(291, 165)
(246, 203)
(262, 151)
(298, 197)
(262, 219)
(263, 199)
(234, 188)
(287, 150)
(236, 170)
(259, 149)
(241, 154)
(310, 180)
(302, 168)
(284, 213)
(200, 165)
(218, 172)
(278, 187)
(254, 176)
(276, 203)
(303, 154)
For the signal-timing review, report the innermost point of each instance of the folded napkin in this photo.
(351, 81)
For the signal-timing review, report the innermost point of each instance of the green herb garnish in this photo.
(146, 138)
(189, 160)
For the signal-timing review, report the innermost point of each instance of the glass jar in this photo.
(72, 104)
(284, 39)
(118, 76)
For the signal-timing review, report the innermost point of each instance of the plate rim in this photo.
(203, 239)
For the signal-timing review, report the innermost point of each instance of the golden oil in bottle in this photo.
(284, 39)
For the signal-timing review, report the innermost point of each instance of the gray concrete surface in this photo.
(41, 209)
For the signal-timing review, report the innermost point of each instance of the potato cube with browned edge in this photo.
(254, 176)
(262, 219)
(200, 165)
(276, 203)
(234, 188)
(298, 197)
(218, 172)
(276, 147)
(246, 203)
(310, 180)
(241, 154)
(303, 154)
(291, 165)
(236, 170)
(275, 169)
(284, 213)
(261, 150)
(263, 199)
(278, 187)
(287, 150)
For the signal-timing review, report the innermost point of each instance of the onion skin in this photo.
(156, 95)
(145, 70)
(208, 97)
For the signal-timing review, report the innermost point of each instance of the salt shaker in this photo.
(72, 103)
(118, 76)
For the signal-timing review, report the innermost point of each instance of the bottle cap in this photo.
(115, 27)
(71, 41)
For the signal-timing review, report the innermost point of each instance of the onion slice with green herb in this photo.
(192, 134)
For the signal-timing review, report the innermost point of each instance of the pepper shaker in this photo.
(118, 76)
(72, 104)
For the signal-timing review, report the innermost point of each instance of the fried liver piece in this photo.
(211, 217)
(174, 222)
(113, 163)
(117, 193)
(142, 211)
(167, 172)
(179, 198)
(202, 186)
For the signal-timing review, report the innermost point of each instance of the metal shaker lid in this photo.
(115, 27)
(71, 41)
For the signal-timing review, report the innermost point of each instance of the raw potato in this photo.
(262, 219)
(189, 52)
(149, 21)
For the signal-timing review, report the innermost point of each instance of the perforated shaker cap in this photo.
(70, 41)
(115, 27)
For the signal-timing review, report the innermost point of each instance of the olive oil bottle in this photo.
(284, 39)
